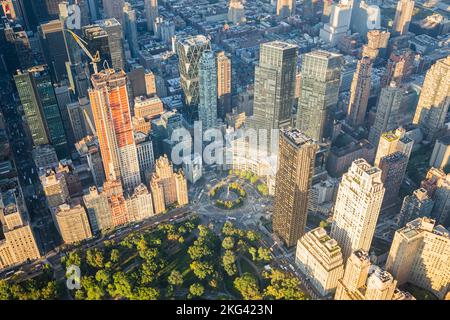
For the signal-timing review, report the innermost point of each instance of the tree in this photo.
(282, 286)
(228, 229)
(4, 290)
(73, 258)
(262, 188)
(252, 251)
(252, 235)
(146, 293)
(95, 258)
(248, 287)
(175, 278)
(115, 256)
(202, 269)
(323, 224)
(103, 277)
(50, 291)
(122, 287)
(264, 254)
(229, 263)
(196, 290)
(198, 251)
(228, 243)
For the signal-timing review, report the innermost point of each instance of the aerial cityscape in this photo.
(224, 150)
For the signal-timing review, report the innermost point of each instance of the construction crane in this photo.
(94, 59)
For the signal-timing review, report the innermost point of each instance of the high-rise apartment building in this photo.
(359, 92)
(44, 157)
(41, 108)
(207, 108)
(223, 84)
(319, 257)
(441, 153)
(55, 188)
(357, 207)
(417, 205)
(296, 158)
(236, 12)
(146, 157)
(399, 67)
(274, 86)
(393, 167)
(285, 8)
(98, 210)
(151, 12)
(112, 117)
(391, 142)
(403, 16)
(434, 99)
(189, 52)
(148, 108)
(19, 244)
(420, 254)
(321, 76)
(140, 204)
(114, 191)
(387, 113)
(377, 43)
(72, 223)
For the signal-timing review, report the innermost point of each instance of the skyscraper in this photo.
(321, 76)
(236, 11)
(274, 86)
(41, 108)
(338, 24)
(296, 158)
(391, 142)
(114, 31)
(98, 210)
(393, 167)
(140, 204)
(189, 52)
(420, 254)
(359, 92)
(416, 205)
(72, 223)
(400, 65)
(223, 84)
(55, 188)
(207, 108)
(285, 8)
(112, 117)
(403, 16)
(434, 99)
(377, 43)
(130, 28)
(151, 12)
(387, 113)
(114, 9)
(357, 207)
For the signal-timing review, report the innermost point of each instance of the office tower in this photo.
(189, 52)
(140, 204)
(146, 158)
(148, 108)
(77, 118)
(393, 167)
(296, 158)
(441, 153)
(399, 67)
(236, 12)
(167, 30)
(339, 24)
(151, 12)
(150, 83)
(97, 40)
(19, 244)
(359, 92)
(377, 43)
(72, 223)
(207, 108)
(23, 49)
(274, 86)
(321, 76)
(114, 31)
(111, 111)
(98, 210)
(365, 17)
(223, 84)
(63, 99)
(192, 167)
(326, 12)
(89, 152)
(403, 16)
(167, 185)
(391, 142)
(420, 254)
(55, 187)
(136, 80)
(357, 206)
(285, 8)
(381, 285)
(434, 98)
(319, 257)
(41, 109)
(417, 205)
(387, 112)
(130, 28)
(32, 108)
(114, 9)
(53, 44)
(44, 156)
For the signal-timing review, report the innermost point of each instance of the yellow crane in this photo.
(94, 59)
